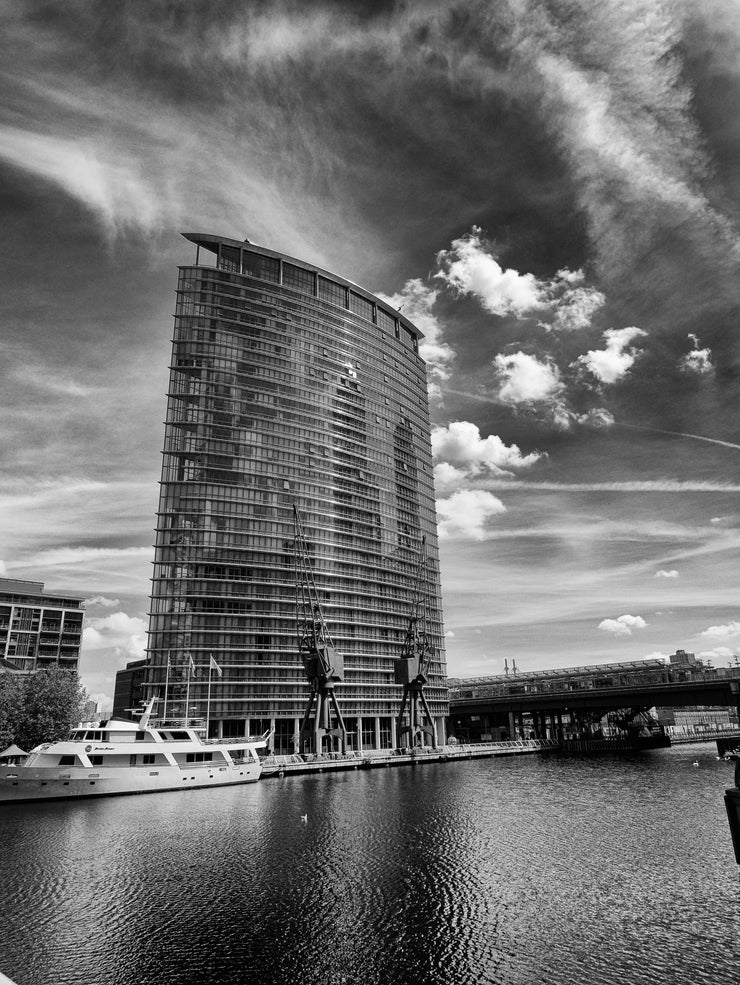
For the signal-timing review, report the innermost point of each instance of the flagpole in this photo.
(208, 702)
(187, 691)
(166, 686)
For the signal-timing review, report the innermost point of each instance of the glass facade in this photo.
(289, 387)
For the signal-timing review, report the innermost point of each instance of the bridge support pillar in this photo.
(512, 726)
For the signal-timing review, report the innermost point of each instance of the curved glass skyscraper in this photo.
(290, 387)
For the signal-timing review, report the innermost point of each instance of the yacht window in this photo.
(96, 760)
(67, 760)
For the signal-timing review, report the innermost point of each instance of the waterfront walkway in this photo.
(685, 738)
(382, 758)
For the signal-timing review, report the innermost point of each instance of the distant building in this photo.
(38, 630)
(700, 718)
(90, 711)
(129, 688)
(290, 387)
(682, 658)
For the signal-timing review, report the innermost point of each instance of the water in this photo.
(517, 871)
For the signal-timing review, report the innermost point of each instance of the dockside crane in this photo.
(412, 667)
(324, 666)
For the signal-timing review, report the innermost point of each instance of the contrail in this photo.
(679, 434)
(482, 398)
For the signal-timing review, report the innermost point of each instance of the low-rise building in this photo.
(37, 629)
(129, 690)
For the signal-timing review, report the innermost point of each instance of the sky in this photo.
(549, 188)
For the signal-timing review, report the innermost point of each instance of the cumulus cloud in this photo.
(447, 478)
(597, 417)
(469, 268)
(461, 446)
(666, 574)
(698, 360)
(102, 602)
(610, 364)
(723, 631)
(118, 632)
(573, 304)
(622, 625)
(718, 653)
(524, 378)
(416, 300)
(466, 512)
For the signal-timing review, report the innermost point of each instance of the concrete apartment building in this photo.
(38, 629)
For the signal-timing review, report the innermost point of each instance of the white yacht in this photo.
(127, 757)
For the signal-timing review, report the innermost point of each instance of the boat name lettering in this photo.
(104, 748)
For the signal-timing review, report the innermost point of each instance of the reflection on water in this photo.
(516, 871)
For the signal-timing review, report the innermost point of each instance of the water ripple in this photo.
(514, 871)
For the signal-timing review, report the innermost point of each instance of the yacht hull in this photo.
(19, 785)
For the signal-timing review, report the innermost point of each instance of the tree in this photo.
(11, 700)
(51, 702)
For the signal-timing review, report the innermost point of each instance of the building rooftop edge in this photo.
(35, 589)
(209, 239)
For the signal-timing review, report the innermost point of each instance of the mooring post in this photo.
(732, 804)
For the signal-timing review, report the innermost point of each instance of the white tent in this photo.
(12, 755)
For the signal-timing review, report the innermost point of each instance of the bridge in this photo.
(571, 703)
